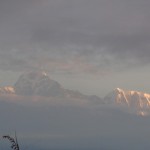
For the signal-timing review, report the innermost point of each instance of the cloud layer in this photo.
(74, 36)
(53, 125)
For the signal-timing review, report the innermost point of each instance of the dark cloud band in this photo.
(38, 32)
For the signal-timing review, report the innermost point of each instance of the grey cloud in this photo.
(102, 32)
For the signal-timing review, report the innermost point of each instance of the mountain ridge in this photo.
(138, 101)
(38, 83)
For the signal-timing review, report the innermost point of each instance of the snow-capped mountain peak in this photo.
(37, 83)
(7, 90)
(135, 100)
(118, 89)
(40, 84)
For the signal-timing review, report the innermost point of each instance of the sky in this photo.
(92, 46)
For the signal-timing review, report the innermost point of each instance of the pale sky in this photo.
(89, 45)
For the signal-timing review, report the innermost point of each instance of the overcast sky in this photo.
(89, 45)
(92, 46)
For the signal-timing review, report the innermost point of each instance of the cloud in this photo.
(104, 33)
(64, 126)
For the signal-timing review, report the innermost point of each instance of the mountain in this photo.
(7, 90)
(40, 84)
(37, 83)
(138, 102)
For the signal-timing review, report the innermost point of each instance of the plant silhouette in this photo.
(13, 141)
